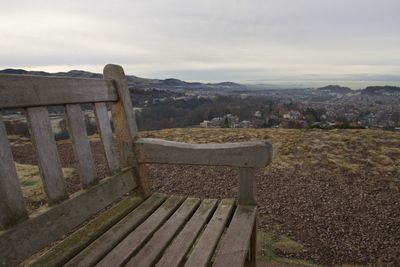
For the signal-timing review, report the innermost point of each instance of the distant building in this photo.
(217, 122)
(292, 115)
(205, 124)
(257, 114)
(246, 124)
(232, 120)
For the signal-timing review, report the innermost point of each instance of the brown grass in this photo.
(31, 184)
(375, 152)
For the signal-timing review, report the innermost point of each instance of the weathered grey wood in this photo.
(80, 144)
(123, 114)
(104, 127)
(237, 238)
(135, 240)
(99, 248)
(252, 255)
(205, 246)
(12, 207)
(74, 243)
(244, 154)
(32, 235)
(47, 154)
(247, 186)
(151, 252)
(143, 172)
(28, 90)
(177, 251)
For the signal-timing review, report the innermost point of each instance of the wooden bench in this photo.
(150, 229)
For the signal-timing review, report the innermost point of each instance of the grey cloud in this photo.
(221, 40)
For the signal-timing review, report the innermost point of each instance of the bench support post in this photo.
(246, 187)
(123, 115)
(246, 196)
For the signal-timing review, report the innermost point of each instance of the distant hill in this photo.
(171, 83)
(335, 89)
(72, 73)
(381, 90)
(137, 82)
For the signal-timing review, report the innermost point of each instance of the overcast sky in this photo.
(304, 42)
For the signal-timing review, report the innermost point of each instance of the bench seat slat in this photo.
(80, 144)
(12, 207)
(47, 154)
(164, 231)
(237, 239)
(28, 90)
(150, 253)
(101, 246)
(59, 254)
(176, 252)
(205, 246)
(135, 240)
(39, 231)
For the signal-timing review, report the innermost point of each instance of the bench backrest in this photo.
(20, 236)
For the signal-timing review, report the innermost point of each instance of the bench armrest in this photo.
(251, 154)
(245, 155)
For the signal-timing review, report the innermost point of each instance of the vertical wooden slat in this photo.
(47, 154)
(123, 115)
(81, 145)
(12, 207)
(246, 186)
(104, 127)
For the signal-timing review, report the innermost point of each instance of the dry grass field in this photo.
(329, 197)
(352, 151)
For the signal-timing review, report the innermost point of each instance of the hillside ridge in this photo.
(173, 83)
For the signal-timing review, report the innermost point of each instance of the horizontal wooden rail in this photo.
(37, 232)
(252, 154)
(28, 90)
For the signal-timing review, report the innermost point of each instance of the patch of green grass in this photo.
(269, 243)
(25, 183)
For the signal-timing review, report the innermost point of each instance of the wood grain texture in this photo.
(237, 238)
(104, 128)
(47, 154)
(80, 144)
(143, 173)
(32, 235)
(101, 246)
(117, 75)
(252, 255)
(28, 90)
(244, 154)
(12, 206)
(74, 243)
(175, 254)
(151, 252)
(123, 115)
(247, 186)
(205, 246)
(135, 240)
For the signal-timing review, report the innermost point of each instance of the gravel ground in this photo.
(338, 223)
(340, 218)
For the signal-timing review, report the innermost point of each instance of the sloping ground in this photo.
(335, 192)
